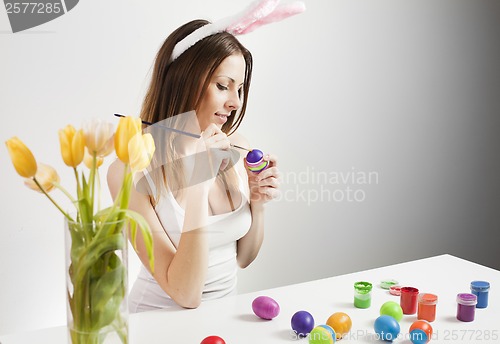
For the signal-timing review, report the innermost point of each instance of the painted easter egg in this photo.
(213, 340)
(265, 307)
(255, 161)
(302, 323)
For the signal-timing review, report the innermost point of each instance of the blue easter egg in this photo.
(418, 336)
(387, 328)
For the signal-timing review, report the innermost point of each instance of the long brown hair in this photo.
(175, 86)
(178, 87)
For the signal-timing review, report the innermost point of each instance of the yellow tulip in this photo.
(45, 176)
(72, 144)
(141, 149)
(98, 136)
(23, 160)
(128, 127)
(88, 160)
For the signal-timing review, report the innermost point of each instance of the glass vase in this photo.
(96, 281)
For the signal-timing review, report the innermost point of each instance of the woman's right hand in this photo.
(212, 154)
(217, 145)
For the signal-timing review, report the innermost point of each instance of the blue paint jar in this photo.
(481, 290)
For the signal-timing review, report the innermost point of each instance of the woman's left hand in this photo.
(264, 185)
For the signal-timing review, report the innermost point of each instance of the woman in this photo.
(206, 212)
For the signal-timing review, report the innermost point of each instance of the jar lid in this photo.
(427, 299)
(480, 285)
(395, 290)
(386, 284)
(467, 299)
(363, 287)
(410, 290)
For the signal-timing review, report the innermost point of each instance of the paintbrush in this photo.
(182, 132)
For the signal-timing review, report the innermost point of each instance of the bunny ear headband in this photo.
(259, 13)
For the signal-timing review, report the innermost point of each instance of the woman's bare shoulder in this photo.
(115, 173)
(116, 167)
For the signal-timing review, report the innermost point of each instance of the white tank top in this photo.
(223, 230)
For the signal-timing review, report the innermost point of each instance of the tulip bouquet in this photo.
(97, 238)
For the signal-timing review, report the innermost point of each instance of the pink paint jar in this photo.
(395, 290)
(408, 301)
(466, 307)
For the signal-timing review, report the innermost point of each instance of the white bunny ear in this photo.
(258, 13)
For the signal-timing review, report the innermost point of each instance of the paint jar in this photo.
(481, 290)
(408, 301)
(388, 283)
(427, 307)
(395, 290)
(466, 307)
(362, 294)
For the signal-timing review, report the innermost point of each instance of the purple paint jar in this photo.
(466, 307)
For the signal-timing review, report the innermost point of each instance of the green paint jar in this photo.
(362, 294)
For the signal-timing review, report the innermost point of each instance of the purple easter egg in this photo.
(255, 161)
(265, 307)
(302, 323)
(255, 156)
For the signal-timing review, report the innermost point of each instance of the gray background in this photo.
(406, 90)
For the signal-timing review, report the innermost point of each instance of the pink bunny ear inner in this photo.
(284, 11)
(255, 11)
(281, 12)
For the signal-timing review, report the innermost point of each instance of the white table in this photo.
(232, 317)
